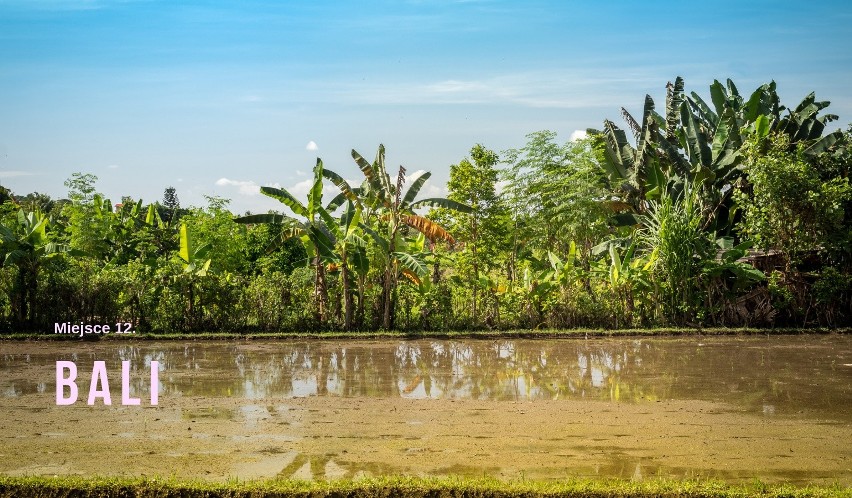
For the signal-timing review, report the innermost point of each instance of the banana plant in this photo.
(309, 230)
(25, 243)
(121, 226)
(729, 264)
(628, 166)
(563, 272)
(803, 125)
(129, 231)
(393, 208)
(196, 265)
(350, 250)
(195, 260)
(696, 143)
(626, 273)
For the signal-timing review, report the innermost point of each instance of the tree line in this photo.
(732, 212)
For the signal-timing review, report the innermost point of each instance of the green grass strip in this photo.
(453, 334)
(405, 487)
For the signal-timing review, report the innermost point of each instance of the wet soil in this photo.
(255, 434)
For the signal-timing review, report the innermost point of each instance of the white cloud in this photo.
(301, 189)
(578, 135)
(456, 86)
(298, 190)
(430, 190)
(15, 174)
(410, 177)
(566, 88)
(311, 146)
(113, 166)
(245, 187)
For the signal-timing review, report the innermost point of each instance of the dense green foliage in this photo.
(404, 487)
(736, 212)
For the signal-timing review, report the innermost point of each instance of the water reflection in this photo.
(769, 376)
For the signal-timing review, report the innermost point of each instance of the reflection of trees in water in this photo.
(773, 375)
(516, 369)
(500, 369)
(735, 370)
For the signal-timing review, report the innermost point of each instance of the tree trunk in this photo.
(191, 312)
(390, 277)
(21, 296)
(474, 243)
(347, 294)
(320, 290)
(388, 297)
(360, 312)
(32, 291)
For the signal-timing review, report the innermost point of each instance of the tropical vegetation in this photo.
(729, 211)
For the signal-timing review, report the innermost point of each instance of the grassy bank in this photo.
(454, 334)
(47, 487)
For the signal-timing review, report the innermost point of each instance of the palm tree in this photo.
(349, 247)
(309, 230)
(386, 202)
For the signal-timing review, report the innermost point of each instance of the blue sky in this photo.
(218, 98)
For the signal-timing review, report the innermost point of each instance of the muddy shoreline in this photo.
(237, 435)
(325, 437)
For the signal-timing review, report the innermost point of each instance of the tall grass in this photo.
(678, 246)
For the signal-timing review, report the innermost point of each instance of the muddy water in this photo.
(733, 408)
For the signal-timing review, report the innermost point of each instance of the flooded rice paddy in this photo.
(735, 408)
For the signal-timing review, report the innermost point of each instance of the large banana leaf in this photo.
(709, 118)
(443, 203)
(721, 143)
(674, 98)
(287, 199)
(644, 146)
(331, 224)
(732, 89)
(350, 219)
(718, 96)
(360, 260)
(433, 231)
(412, 262)
(315, 195)
(152, 215)
(35, 227)
(697, 149)
(763, 102)
(635, 127)
(321, 242)
(346, 191)
(187, 248)
(825, 143)
(415, 187)
(384, 179)
(619, 153)
(363, 164)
